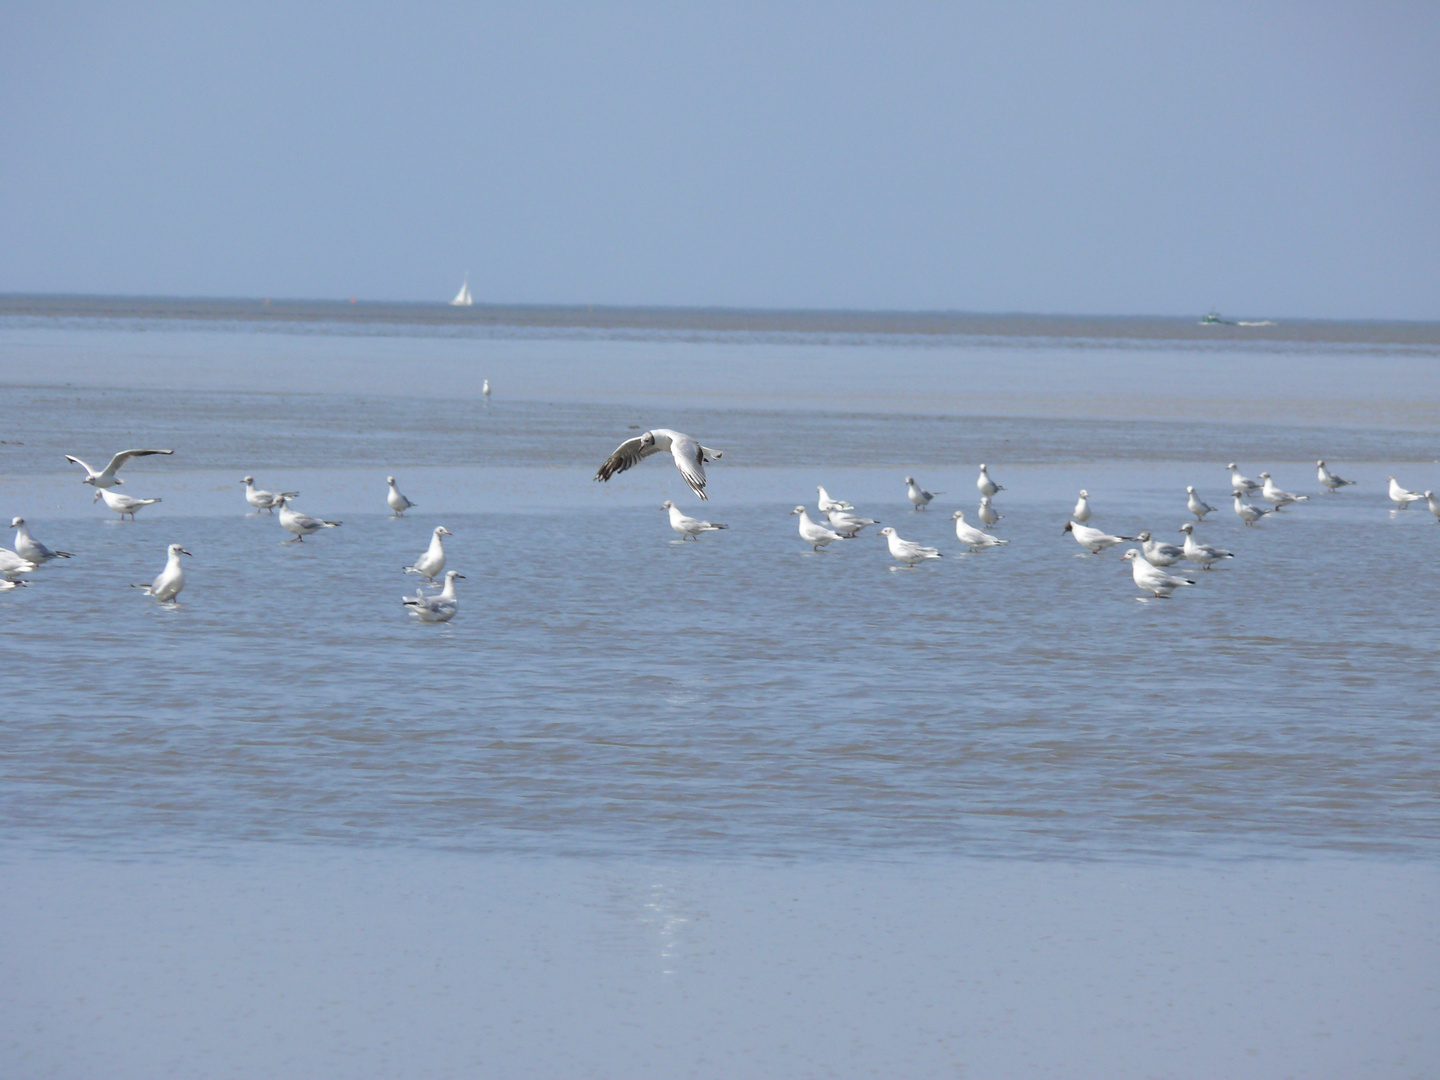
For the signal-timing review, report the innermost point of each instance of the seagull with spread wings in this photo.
(106, 477)
(690, 457)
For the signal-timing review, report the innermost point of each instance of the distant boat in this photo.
(463, 297)
(1213, 319)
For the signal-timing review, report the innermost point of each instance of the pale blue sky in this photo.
(1270, 159)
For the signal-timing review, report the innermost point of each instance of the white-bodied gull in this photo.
(848, 524)
(123, 504)
(1081, 513)
(984, 484)
(171, 580)
(106, 477)
(1151, 578)
(30, 549)
(1196, 505)
(1328, 478)
(689, 528)
(1203, 555)
(264, 500)
(972, 537)
(1401, 497)
(302, 525)
(1276, 497)
(438, 608)
(12, 564)
(690, 457)
(1157, 553)
(432, 562)
(817, 536)
(1094, 540)
(1247, 513)
(987, 513)
(398, 503)
(907, 551)
(825, 503)
(918, 495)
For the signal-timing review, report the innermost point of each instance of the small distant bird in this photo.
(1151, 578)
(1431, 503)
(848, 524)
(30, 549)
(689, 528)
(690, 457)
(984, 484)
(12, 564)
(438, 608)
(907, 551)
(1158, 554)
(1277, 498)
(1240, 485)
(397, 502)
(124, 504)
(171, 580)
(106, 477)
(987, 513)
(1095, 540)
(433, 561)
(302, 525)
(826, 503)
(918, 495)
(1203, 555)
(485, 388)
(1401, 497)
(264, 500)
(1081, 513)
(1246, 512)
(972, 537)
(1196, 505)
(814, 534)
(1328, 478)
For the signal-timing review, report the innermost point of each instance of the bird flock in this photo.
(1150, 563)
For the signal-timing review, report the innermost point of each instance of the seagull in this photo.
(1097, 540)
(302, 525)
(263, 500)
(1328, 478)
(1240, 485)
(1158, 554)
(817, 536)
(1151, 578)
(689, 528)
(826, 503)
(1280, 499)
(485, 387)
(106, 477)
(1247, 513)
(1196, 505)
(972, 537)
(1431, 503)
(397, 502)
(847, 524)
(985, 485)
(12, 564)
(918, 495)
(1081, 513)
(987, 512)
(30, 549)
(907, 551)
(1402, 498)
(433, 561)
(123, 504)
(6, 584)
(171, 580)
(1202, 554)
(438, 608)
(690, 457)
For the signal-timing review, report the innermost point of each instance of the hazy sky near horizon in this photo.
(1268, 159)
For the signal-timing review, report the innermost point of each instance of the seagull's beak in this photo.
(460, 577)
(184, 552)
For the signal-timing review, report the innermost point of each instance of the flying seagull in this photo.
(106, 477)
(690, 456)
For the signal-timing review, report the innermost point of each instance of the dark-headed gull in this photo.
(1328, 478)
(1196, 505)
(1202, 555)
(689, 528)
(1151, 578)
(987, 513)
(302, 525)
(432, 562)
(972, 537)
(918, 495)
(30, 549)
(1247, 513)
(690, 457)
(106, 477)
(1402, 498)
(1276, 497)
(1095, 540)
(817, 536)
(1156, 553)
(826, 503)
(984, 484)
(1081, 513)
(1240, 485)
(438, 608)
(171, 580)
(393, 499)
(124, 504)
(848, 524)
(907, 551)
(263, 500)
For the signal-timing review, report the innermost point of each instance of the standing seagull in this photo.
(1277, 498)
(1328, 478)
(1203, 555)
(826, 503)
(1431, 503)
(1095, 540)
(485, 388)
(918, 495)
(1158, 554)
(30, 549)
(985, 485)
(433, 561)
(1151, 578)
(397, 502)
(1081, 513)
(1247, 513)
(907, 551)
(106, 477)
(1196, 505)
(123, 504)
(12, 564)
(689, 528)
(817, 536)
(1402, 498)
(263, 500)
(1241, 485)
(302, 525)
(848, 524)
(438, 608)
(171, 580)
(972, 537)
(690, 457)
(987, 513)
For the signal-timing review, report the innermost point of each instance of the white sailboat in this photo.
(463, 298)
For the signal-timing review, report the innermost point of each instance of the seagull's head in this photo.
(648, 439)
(1190, 488)
(390, 480)
(1130, 556)
(1144, 536)
(1320, 464)
(441, 530)
(909, 480)
(1084, 494)
(958, 515)
(248, 480)
(982, 466)
(1264, 476)
(887, 531)
(1232, 465)
(453, 575)
(667, 505)
(1187, 528)
(176, 549)
(797, 510)
(1069, 527)
(17, 522)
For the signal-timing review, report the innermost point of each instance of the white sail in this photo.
(462, 298)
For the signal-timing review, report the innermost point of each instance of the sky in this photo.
(1270, 159)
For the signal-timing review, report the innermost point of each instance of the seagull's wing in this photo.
(690, 460)
(71, 458)
(125, 455)
(628, 453)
